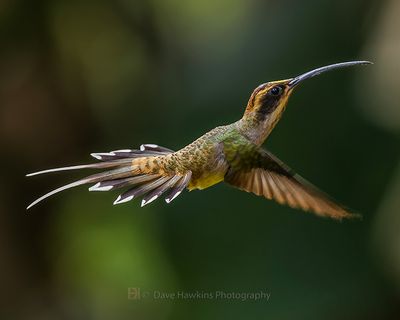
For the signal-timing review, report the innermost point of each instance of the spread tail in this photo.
(130, 169)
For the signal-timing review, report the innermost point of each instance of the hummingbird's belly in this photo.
(209, 174)
(205, 158)
(206, 180)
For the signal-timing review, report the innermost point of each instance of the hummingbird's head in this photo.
(269, 100)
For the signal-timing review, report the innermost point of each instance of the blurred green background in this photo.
(92, 76)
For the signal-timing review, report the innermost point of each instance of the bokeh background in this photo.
(92, 76)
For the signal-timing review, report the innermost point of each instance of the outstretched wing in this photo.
(258, 171)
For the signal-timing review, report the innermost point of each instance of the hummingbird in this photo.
(231, 153)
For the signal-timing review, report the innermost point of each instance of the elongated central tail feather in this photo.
(128, 171)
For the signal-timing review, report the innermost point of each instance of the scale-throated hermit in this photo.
(230, 153)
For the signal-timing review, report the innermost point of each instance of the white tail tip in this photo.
(97, 187)
(121, 150)
(119, 200)
(167, 200)
(99, 155)
(144, 202)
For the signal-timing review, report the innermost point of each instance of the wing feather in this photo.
(271, 178)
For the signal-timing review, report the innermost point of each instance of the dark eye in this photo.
(276, 91)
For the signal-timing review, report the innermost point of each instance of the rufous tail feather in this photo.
(131, 169)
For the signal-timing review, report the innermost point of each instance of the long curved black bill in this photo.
(295, 81)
